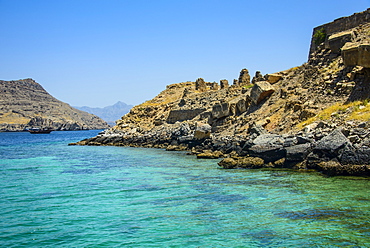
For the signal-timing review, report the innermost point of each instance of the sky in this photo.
(97, 52)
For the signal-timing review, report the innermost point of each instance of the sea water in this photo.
(55, 195)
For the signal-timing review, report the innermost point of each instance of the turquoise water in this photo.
(54, 195)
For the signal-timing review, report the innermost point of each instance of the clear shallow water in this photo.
(54, 195)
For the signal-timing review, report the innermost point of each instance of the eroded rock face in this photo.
(260, 91)
(355, 54)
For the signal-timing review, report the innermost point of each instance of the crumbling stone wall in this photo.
(340, 25)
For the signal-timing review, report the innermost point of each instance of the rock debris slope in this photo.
(25, 104)
(313, 116)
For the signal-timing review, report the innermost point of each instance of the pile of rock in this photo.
(339, 151)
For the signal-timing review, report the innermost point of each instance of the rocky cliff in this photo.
(25, 104)
(313, 116)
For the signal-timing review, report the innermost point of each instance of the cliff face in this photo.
(314, 116)
(25, 104)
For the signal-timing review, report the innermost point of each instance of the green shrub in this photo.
(319, 36)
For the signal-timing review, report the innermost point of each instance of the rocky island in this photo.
(26, 104)
(313, 116)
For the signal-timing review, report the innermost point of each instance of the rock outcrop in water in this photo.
(314, 116)
(25, 104)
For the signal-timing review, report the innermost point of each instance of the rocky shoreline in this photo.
(314, 116)
(330, 149)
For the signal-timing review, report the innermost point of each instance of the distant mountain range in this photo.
(110, 113)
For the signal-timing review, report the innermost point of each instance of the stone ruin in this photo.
(346, 37)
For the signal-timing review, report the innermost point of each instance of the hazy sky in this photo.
(98, 52)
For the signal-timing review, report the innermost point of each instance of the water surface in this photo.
(55, 195)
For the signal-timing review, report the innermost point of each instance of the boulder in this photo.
(297, 152)
(173, 148)
(350, 155)
(356, 54)
(330, 145)
(269, 139)
(273, 78)
(334, 168)
(202, 131)
(251, 162)
(228, 163)
(338, 40)
(269, 153)
(331, 168)
(185, 139)
(210, 155)
(256, 129)
(260, 91)
(238, 105)
(220, 110)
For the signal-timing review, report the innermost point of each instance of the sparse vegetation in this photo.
(248, 86)
(356, 112)
(319, 36)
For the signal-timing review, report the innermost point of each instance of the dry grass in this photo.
(358, 110)
(13, 118)
(361, 111)
(164, 101)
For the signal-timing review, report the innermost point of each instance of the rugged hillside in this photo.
(110, 113)
(25, 104)
(314, 116)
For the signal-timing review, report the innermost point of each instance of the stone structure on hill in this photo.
(224, 84)
(313, 116)
(25, 104)
(244, 78)
(342, 26)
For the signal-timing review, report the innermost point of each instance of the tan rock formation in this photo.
(244, 77)
(224, 84)
(25, 104)
(202, 131)
(355, 54)
(200, 85)
(273, 78)
(336, 41)
(260, 91)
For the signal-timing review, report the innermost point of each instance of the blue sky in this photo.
(98, 52)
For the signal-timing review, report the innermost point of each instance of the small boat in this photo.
(40, 130)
